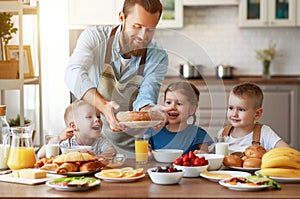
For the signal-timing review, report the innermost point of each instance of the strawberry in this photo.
(192, 155)
(178, 161)
(197, 162)
(185, 158)
(186, 164)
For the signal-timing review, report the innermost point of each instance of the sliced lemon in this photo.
(139, 171)
(126, 169)
(129, 173)
(111, 173)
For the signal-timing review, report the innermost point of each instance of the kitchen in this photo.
(210, 39)
(220, 40)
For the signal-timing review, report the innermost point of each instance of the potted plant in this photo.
(16, 121)
(6, 30)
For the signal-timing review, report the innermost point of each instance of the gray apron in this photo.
(123, 92)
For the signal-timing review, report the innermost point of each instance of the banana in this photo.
(281, 161)
(279, 154)
(280, 172)
(281, 150)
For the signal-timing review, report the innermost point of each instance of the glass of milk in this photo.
(52, 145)
(221, 146)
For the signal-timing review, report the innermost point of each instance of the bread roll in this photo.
(74, 156)
(49, 167)
(255, 151)
(233, 160)
(252, 163)
(132, 116)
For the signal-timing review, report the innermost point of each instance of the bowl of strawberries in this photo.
(191, 164)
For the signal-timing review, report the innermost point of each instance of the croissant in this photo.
(91, 166)
(67, 167)
(49, 167)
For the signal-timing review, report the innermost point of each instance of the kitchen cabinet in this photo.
(94, 12)
(19, 9)
(281, 107)
(267, 13)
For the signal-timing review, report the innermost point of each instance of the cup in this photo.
(141, 149)
(221, 146)
(52, 145)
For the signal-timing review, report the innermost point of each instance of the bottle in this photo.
(4, 138)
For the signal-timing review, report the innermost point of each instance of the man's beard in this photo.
(130, 49)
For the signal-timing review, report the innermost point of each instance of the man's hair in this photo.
(187, 89)
(151, 6)
(71, 111)
(249, 90)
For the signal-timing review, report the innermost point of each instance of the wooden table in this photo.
(144, 188)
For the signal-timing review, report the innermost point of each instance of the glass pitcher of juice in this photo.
(21, 154)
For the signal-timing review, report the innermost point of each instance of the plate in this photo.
(281, 179)
(78, 173)
(67, 188)
(243, 187)
(244, 169)
(232, 173)
(141, 124)
(119, 179)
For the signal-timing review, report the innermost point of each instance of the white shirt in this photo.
(268, 139)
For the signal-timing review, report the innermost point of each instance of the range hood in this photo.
(209, 2)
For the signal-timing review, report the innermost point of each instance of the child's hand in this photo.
(67, 133)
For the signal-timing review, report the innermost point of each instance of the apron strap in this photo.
(108, 52)
(256, 132)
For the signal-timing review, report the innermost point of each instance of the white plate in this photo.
(244, 169)
(118, 179)
(141, 124)
(281, 179)
(66, 188)
(78, 173)
(243, 187)
(232, 173)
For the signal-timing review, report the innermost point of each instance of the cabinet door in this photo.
(94, 12)
(282, 13)
(279, 112)
(253, 13)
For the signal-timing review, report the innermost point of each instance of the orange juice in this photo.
(21, 157)
(141, 150)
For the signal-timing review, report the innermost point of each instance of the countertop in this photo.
(237, 79)
(144, 188)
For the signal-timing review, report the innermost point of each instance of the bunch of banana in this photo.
(281, 162)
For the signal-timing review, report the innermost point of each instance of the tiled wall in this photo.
(211, 36)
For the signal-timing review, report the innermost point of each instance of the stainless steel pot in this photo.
(224, 71)
(190, 71)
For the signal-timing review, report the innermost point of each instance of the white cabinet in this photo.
(267, 13)
(19, 9)
(209, 2)
(94, 12)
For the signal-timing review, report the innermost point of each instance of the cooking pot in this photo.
(224, 71)
(190, 71)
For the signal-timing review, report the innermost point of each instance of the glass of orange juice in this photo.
(141, 149)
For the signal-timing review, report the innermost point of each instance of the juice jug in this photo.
(21, 154)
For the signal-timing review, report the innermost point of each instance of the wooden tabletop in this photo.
(144, 188)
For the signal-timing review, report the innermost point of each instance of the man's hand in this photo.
(109, 112)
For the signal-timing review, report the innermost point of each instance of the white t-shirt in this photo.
(268, 139)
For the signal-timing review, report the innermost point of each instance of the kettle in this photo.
(21, 154)
(190, 71)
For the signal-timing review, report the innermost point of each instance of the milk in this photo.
(222, 148)
(52, 150)
(4, 156)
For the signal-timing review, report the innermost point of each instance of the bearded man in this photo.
(120, 68)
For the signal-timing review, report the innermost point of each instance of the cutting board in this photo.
(8, 178)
